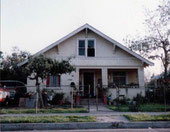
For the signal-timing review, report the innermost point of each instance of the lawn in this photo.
(122, 108)
(144, 117)
(46, 111)
(47, 119)
(142, 108)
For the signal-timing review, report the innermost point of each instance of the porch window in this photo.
(82, 47)
(91, 48)
(53, 81)
(119, 78)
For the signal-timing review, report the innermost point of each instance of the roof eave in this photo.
(97, 32)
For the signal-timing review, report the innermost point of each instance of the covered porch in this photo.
(129, 81)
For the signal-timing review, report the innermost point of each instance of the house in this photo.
(99, 61)
(158, 80)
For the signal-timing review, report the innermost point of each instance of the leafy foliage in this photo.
(41, 66)
(157, 24)
(155, 44)
(142, 108)
(10, 69)
(57, 98)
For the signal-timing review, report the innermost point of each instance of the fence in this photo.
(77, 96)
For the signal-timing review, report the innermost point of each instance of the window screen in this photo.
(119, 78)
(91, 48)
(82, 47)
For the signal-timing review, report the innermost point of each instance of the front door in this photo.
(88, 80)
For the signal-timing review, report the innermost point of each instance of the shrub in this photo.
(133, 106)
(57, 98)
(140, 99)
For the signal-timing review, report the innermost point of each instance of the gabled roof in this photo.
(87, 26)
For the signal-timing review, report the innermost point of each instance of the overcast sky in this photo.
(34, 24)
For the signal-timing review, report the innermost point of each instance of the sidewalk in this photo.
(93, 113)
(83, 125)
(102, 111)
(105, 119)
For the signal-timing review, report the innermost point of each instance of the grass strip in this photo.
(45, 111)
(142, 108)
(47, 119)
(144, 117)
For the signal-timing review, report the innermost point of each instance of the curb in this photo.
(82, 125)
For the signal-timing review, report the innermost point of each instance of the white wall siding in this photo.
(104, 53)
(130, 93)
(105, 58)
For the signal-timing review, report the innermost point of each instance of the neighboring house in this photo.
(158, 80)
(98, 60)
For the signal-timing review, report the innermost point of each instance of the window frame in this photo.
(78, 46)
(94, 47)
(59, 81)
(120, 76)
(86, 47)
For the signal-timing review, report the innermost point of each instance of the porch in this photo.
(94, 81)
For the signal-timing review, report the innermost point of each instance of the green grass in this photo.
(122, 108)
(47, 119)
(144, 117)
(142, 108)
(153, 108)
(46, 111)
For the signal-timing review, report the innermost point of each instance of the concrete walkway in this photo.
(111, 119)
(102, 111)
(93, 108)
(98, 113)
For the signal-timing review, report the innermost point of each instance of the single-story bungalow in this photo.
(100, 61)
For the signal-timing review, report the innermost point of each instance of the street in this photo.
(103, 130)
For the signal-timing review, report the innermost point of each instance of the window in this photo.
(53, 81)
(119, 78)
(90, 48)
(82, 47)
(86, 47)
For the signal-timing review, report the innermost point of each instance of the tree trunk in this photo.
(165, 63)
(39, 95)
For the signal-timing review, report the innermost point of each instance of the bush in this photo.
(57, 98)
(140, 99)
(133, 106)
(121, 101)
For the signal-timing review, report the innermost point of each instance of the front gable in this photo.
(106, 49)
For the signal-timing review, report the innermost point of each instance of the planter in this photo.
(78, 99)
(60, 102)
(105, 99)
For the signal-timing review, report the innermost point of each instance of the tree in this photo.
(156, 44)
(10, 70)
(1, 59)
(42, 66)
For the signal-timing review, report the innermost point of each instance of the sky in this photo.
(34, 24)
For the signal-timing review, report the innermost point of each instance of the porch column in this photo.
(77, 76)
(104, 76)
(141, 77)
